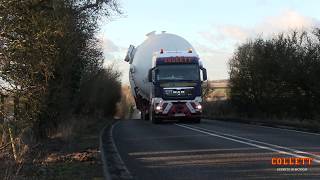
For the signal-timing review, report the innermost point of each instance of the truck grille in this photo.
(178, 93)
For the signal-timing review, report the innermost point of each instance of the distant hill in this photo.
(218, 90)
(224, 83)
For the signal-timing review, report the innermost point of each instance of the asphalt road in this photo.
(213, 150)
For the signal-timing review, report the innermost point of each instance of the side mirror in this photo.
(130, 54)
(150, 75)
(204, 74)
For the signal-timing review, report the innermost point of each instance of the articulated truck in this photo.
(165, 76)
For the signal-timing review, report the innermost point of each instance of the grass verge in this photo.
(224, 111)
(72, 153)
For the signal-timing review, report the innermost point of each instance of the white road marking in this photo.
(127, 172)
(309, 133)
(273, 145)
(304, 132)
(249, 143)
(190, 151)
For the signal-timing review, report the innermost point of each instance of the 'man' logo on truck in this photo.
(178, 92)
(175, 92)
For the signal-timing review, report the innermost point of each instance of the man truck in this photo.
(166, 77)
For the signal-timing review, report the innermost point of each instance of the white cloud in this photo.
(234, 32)
(229, 36)
(114, 55)
(214, 60)
(108, 45)
(285, 21)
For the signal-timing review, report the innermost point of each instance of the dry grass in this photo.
(71, 153)
(219, 109)
(223, 110)
(125, 106)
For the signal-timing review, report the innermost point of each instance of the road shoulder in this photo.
(113, 166)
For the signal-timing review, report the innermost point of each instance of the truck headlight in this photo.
(199, 107)
(158, 108)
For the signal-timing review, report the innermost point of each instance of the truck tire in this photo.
(196, 120)
(153, 119)
(144, 116)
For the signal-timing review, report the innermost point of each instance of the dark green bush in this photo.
(278, 77)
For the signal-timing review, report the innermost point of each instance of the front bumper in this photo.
(178, 110)
(173, 117)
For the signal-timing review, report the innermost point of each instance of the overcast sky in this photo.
(213, 27)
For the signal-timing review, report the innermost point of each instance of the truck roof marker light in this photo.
(161, 51)
(190, 50)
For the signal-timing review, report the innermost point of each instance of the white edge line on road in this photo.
(117, 151)
(106, 171)
(304, 132)
(247, 143)
(273, 145)
(187, 151)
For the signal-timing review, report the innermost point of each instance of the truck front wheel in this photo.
(196, 120)
(144, 116)
(153, 119)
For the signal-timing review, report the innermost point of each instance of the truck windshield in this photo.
(178, 72)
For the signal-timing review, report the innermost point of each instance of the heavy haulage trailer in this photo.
(166, 75)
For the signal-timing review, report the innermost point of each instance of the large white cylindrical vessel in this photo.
(142, 60)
